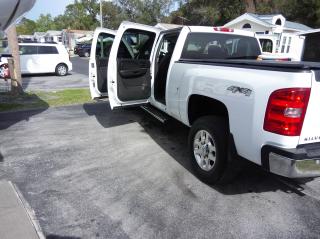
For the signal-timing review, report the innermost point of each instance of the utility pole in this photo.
(14, 62)
(101, 18)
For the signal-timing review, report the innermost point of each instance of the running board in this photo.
(159, 115)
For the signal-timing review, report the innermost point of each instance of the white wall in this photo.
(254, 26)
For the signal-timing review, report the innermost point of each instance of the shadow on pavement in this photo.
(1, 157)
(10, 118)
(60, 237)
(173, 136)
(106, 117)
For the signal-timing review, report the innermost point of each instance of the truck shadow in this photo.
(173, 138)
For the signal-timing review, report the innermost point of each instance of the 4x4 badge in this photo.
(236, 89)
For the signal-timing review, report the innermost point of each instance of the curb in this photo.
(29, 211)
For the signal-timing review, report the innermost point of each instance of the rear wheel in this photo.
(61, 70)
(208, 147)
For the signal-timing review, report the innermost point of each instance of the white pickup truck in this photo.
(208, 78)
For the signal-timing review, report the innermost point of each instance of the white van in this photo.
(44, 58)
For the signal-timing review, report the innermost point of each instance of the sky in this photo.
(53, 7)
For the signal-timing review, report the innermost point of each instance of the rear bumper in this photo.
(300, 162)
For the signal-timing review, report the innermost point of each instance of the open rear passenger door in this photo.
(98, 64)
(129, 72)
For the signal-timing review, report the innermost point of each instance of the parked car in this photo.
(237, 107)
(84, 50)
(44, 58)
(76, 48)
(4, 68)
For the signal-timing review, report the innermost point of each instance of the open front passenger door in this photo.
(129, 72)
(98, 64)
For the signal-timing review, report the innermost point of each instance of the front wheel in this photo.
(61, 70)
(208, 147)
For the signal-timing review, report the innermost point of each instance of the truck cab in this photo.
(209, 79)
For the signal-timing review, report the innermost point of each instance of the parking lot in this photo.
(89, 172)
(77, 78)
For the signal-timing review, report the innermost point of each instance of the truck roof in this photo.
(223, 30)
(207, 29)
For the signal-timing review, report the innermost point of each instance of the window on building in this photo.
(279, 22)
(246, 26)
(284, 40)
(289, 43)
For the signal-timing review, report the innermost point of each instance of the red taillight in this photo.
(223, 29)
(286, 110)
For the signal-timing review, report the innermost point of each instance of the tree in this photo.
(45, 23)
(146, 11)
(81, 15)
(209, 13)
(26, 27)
(112, 15)
(14, 64)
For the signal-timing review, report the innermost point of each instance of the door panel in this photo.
(129, 74)
(136, 79)
(98, 64)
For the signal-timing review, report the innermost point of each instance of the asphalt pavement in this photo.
(77, 78)
(89, 172)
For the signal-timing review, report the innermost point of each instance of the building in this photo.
(39, 36)
(266, 24)
(274, 31)
(53, 36)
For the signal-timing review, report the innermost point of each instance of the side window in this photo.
(312, 48)
(220, 46)
(166, 47)
(136, 44)
(28, 50)
(47, 50)
(266, 45)
(104, 44)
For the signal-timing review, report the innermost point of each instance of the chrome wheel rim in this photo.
(204, 150)
(62, 70)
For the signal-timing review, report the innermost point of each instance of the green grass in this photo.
(42, 99)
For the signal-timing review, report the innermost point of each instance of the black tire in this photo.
(61, 70)
(218, 130)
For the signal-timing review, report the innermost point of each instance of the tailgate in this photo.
(311, 127)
